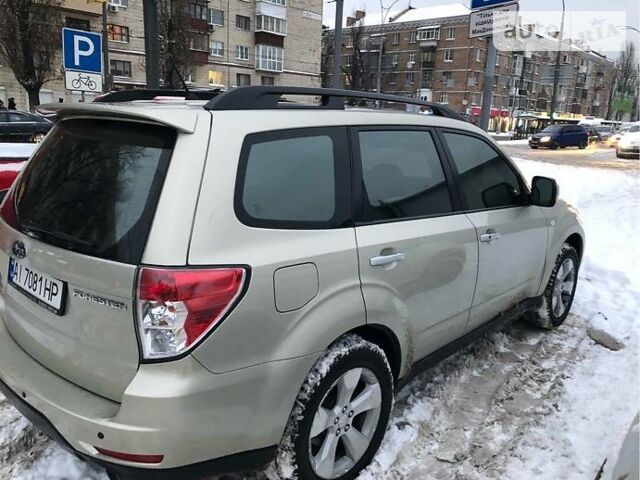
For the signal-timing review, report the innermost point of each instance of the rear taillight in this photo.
(178, 307)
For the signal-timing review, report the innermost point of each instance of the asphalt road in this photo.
(594, 156)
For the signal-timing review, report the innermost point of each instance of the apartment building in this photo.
(427, 53)
(265, 42)
(231, 43)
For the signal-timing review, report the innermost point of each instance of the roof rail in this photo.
(267, 97)
(144, 94)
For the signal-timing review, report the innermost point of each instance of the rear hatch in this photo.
(72, 234)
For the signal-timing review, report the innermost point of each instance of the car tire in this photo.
(561, 288)
(553, 146)
(533, 148)
(352, 372)
(583, 145)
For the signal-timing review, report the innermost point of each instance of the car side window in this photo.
(486, 178)
(294, 179)
(16, 117)
(402, 175)
(3, 117)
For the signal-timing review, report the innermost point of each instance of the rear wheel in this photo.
(340, 415)
(561, 288)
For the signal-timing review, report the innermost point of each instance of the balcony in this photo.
(92, 8)
(271, 9)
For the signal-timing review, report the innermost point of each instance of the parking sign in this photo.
(82, 51)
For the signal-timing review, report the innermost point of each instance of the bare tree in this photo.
(359, 73)
(29, 33)
(626, 83)
(325, 59)
(173, 19)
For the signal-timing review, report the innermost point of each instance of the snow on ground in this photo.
(518, 404)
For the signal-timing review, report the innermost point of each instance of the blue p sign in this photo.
(82, 50)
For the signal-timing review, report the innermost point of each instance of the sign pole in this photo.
(106, 70)
(487, 96)
(337, 47)
(152, 62)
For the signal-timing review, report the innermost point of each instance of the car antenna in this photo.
(188, 94)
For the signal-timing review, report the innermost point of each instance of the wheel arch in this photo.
(577, 242)
(387, 340)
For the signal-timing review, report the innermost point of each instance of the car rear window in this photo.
(93, 185)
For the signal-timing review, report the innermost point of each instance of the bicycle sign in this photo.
(82, 82)
(82, 60)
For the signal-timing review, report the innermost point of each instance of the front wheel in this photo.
(340, 415)
(584, 145)
(558, 296)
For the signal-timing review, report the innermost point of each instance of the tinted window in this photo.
(290, 179)
(18, 117)
(552, 129)
(487, 180)
(93, 185)
(402, 175)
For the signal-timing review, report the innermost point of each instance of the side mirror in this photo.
(544, 191)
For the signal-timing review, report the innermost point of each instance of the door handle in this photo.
(383, 260)
(490, 236)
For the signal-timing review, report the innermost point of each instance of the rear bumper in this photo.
(199, 421)
(631, 151)
(250, 460)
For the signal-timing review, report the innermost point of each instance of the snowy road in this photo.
(519, 404)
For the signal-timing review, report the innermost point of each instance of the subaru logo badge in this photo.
(19, 250)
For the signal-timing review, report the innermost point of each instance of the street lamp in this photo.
(556, 73)
(383, 18)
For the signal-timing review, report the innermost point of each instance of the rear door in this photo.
(73, 231)
(512, 234)
(417, 254)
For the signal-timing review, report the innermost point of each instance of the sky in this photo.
(630, 8)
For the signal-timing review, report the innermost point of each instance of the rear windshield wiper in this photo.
(36, 231)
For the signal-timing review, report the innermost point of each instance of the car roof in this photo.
(183, 114)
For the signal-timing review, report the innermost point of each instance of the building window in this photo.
(447, 79)
(197, 41)
(269, 58)
(119, 3)
(413, 37)
(271, 24)
(118, 33)
(478, 55)
(448, 55)
(348, 60)
(412, 57)
(411, 77)
(396, 38)
(242, 52)
(243, 23)
(451, 33)
(243, 80)
(216, 17)
(444, 98)
(198, 11)
(217, 49)
(394, 59)
(120, 68)
(427, 57)
(276, 2)
(267, 80)
(429, 34)
(78, 23)
(216, 77)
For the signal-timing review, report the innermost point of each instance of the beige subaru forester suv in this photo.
(232, 280)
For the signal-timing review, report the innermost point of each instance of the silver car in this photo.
(229, 281)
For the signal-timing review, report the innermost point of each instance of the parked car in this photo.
(193, 287)
(594, 134)
(18, 126)
(629, 146)
(12, 158)
(626, 128)
(605, 132)
(560, 136)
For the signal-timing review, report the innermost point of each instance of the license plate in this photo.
(48, 292)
